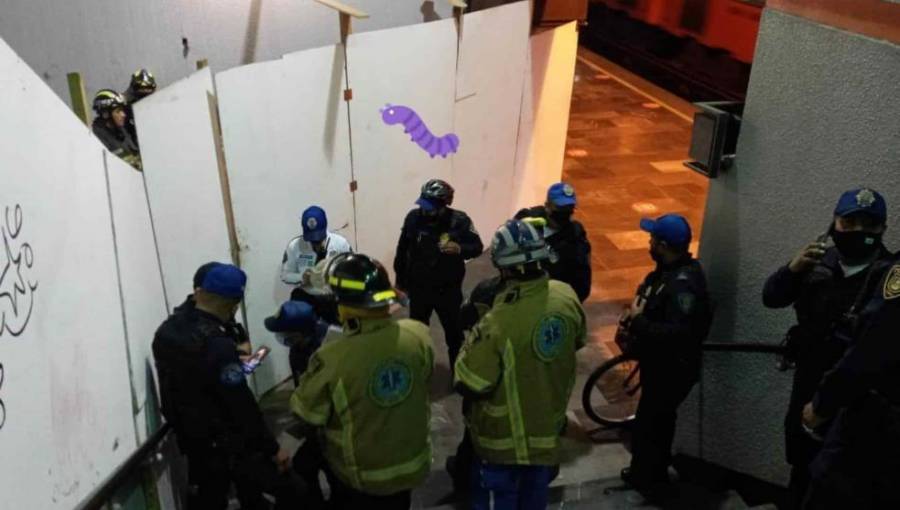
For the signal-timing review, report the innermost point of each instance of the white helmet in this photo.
(517, 243)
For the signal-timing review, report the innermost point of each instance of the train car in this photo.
(700, 49)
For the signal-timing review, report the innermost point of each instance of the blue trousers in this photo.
(510, 487)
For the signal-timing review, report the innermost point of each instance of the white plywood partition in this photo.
(286, 137)
(143, 298)
(544, 123)
(66, 405)
(412, 66)
(181, 169)
(489, 81)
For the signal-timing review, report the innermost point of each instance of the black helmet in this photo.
(108, 100)
(361, 282)
(143, 82)
(437, 191)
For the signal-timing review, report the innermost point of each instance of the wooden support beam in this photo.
(346, 14)
(459, 7)
(79, 98)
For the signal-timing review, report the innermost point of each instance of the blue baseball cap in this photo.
(561, 194)
(225, 280)
(671, 228)
(315, 224)
(293, 316)
(862, 200)
(201, 272)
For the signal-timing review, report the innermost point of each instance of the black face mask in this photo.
(856, 246)
(656, 256)
(561, 217)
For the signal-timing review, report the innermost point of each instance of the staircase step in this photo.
(593, 495)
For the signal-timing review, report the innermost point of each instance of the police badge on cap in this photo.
(865, 198)
(311, 223)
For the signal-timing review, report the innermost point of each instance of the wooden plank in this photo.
(79, 98)
(344, 9)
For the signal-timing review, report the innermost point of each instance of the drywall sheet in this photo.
(414, 67)
(178, 148)
(142, 290)
(65, 418)
(544, 123)
(489, 81)
(286, 149)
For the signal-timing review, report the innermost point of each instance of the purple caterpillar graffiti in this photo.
(418, 131)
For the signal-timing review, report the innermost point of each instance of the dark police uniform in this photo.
(821, 298)
(215, 416)
(859, 465)
(570, 260)
(666, 340)
(433, 279)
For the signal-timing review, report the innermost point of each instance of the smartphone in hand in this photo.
(253, 362)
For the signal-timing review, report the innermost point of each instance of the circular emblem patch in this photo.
(311, 223)
(391, 383)
(548, 337)
(568, 190)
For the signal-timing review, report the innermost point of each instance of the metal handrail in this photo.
(103, 493)
(743, 347)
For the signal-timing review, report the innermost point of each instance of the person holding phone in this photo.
(822, 282)
(205, 396)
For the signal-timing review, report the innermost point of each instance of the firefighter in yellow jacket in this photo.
(517, 370)
(366, 393)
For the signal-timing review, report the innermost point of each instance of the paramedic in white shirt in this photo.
(305, 251)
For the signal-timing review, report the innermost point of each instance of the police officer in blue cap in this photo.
(205, 397)
(570, 250)
(859, 464)
(668, 320)
(822, 283)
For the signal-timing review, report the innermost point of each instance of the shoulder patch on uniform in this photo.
(892, 283)
(548, 337)
(686, 302)
(391, 383)
(231, 375)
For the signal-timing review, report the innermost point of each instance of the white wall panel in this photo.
(489, 81)
(285, 132)
(544, 122)
(66, 414)
(181, 170)
(411, 66)
(142, 291)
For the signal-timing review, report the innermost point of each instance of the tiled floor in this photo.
(624, 158)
